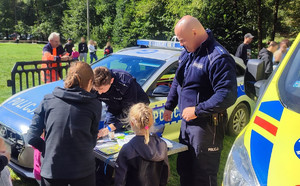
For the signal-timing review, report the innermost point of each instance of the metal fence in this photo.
(25, 75)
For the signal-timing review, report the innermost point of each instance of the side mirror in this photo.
(161, 91)
(254, 78)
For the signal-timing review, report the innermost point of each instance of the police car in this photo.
(152, 63)
(267, 151)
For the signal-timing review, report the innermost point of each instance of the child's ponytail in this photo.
(142, 118)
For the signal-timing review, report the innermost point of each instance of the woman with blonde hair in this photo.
(70, 118)
(144, 160)
(92, 50)
(108, 49)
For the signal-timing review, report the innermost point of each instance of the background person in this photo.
(83, 50)
(266, 54)
(68, 46)
(53, 51)
(108, 49)
(282, 51)
(92, 51)
(144, 159)
(70, 117)
(204, 87)
(75, 54)
(5, 179)
(244, 50)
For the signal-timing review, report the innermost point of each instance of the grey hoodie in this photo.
(143, 164)
(70, 118)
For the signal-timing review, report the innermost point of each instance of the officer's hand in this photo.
(104, 132)
(167, 115)
(189, 113)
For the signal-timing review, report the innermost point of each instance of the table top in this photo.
(110, 160)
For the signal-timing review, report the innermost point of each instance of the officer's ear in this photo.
(194, 32)
(112, 80)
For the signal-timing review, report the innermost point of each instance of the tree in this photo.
(275, 18)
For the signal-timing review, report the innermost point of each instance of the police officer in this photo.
(119, 91)
(204, 87)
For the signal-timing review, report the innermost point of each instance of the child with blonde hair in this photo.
(143, 160)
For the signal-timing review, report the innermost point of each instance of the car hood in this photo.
(17, 111)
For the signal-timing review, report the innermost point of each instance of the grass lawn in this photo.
(11, 53)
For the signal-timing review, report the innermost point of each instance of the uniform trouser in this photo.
(199, 165)
(201, 171)
(89, 180)
(83, 56)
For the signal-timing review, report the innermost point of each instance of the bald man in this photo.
(203, 88)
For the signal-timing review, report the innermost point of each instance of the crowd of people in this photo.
(64, 127)
(272, 55)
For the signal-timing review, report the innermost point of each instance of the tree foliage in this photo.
(124, 21)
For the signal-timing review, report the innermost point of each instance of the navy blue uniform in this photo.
(123, 93)
(205, 79)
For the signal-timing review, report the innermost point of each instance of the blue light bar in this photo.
(159, 44)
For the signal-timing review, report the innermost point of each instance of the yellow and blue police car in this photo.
(152, 63)
(267, 151)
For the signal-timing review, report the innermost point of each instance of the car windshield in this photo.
(289, 82)
(139, 67)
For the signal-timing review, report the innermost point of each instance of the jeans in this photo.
(93, 56)
(83, 56)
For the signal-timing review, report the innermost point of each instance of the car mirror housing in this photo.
(161, 91)
(254, 78)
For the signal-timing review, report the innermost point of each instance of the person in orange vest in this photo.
(53, 51)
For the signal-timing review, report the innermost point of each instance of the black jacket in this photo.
(70, 118)
(123, 93)
(82, 48)
(3, 162)
(143, 165)
(68, 48)
(244, 52)
(267, 57)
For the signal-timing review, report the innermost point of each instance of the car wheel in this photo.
(239, 119)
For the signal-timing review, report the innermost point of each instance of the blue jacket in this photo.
(123, 93)
(205, 78)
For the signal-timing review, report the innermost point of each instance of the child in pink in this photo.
(37, 164)
(75, 54)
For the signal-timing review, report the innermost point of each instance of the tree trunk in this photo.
(259, 25)
(275, 15)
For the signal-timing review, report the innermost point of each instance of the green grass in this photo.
(11, 53)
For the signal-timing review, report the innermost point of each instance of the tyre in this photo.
(239, 119)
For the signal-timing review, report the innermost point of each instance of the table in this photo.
(111, 160)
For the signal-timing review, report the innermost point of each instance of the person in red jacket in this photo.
(53, 51)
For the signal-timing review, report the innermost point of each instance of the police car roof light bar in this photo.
(159, 44)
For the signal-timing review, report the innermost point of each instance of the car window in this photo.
(167, 77)
(240, 71)
(289, 82)
(139, 67)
